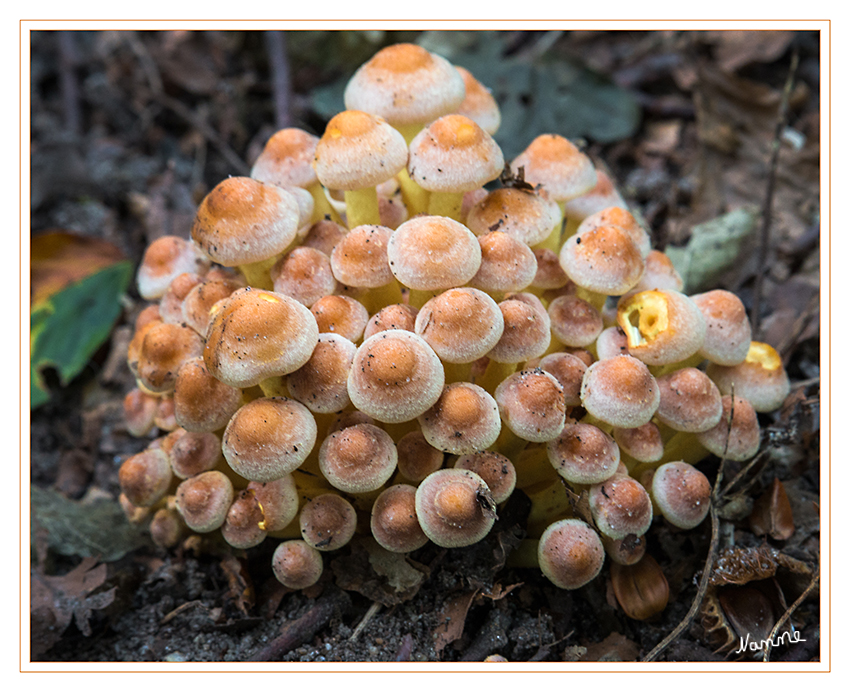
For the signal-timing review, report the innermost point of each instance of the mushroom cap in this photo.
(405, 84)
(360, 257)
(460, 324)
(527, 215)
(557, 164)
(761, 379)
(193, 453)
(506, 263)
(287, 159)
(243, 220)
(575, 322)
(661, 326)
(324, 235)
(145, 477)
(624, 220)
(495, 469)
(643, 443)
(532, 405)
(204, 500)
(321, 384)
(620, 506)
(340, 315)
(464, 419)
(603, 195)
(454, 154)
(241, 527)
(393, 521)
(327, 522)
(171, 303)
(165, 259)
(201, 402)
(479, 104)
(358, 459)
(278, 500)
(395, 376)
(256, 334)
(358, 150)
(659, 272)
(604, 260)
(431, 253)
(196, 306)
(570, 553)
(620, 391)
(395, 316)
(584, 454)
(612, 342)
(455, 508)
(682, 494)
(549, 275)
(689, 401)
(625, 551)
(527, 331)
(268, 438)
(139, 411)
(728, 332)
(165, 348)
(417, 459)
(304, 274)
(742, 433)
(296, 564)
(569, 370)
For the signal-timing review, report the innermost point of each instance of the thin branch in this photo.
(280, 77)
(787, 614)
(767, 209)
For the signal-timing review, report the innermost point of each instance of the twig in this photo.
(280, 77)
(709, 559)
(374, 608)
(767, 210)
(294, 633)
(788, 613)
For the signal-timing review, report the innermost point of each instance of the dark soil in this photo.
(131, 129)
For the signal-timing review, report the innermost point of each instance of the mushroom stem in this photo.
(509, 443)
(447, 204)
(322, 208)
(274, 386)
(597, 300)
(556, 237)
(493, 375)
(415, 197)
(549, 503)
(258, 274)
(417, 298)
(377, 298)
(533, 466)
(361, 207)
(692, 362)
(683, 446)
(457, 372)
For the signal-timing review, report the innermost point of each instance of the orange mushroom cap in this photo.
(506, 263)
(584, 454)
(570, 554)
(204, 500)
(682, 494)
(761, 379)
(464, 419)
(479, 104)
(304, 274)
(689, 400)
(532, 405)
(203, 403)
(340, 315)
(358, 459)
(620, 506)
(728, 331)
(296, 564)
(455, 508)
(165, 259)
(287, 159)
(557, 164)
(526, 215)
(393, 520)
(737, 440)
(327, 522)
(604, 260)
(620, 391)
(360, 257)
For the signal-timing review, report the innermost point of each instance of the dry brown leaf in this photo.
(735, 49)
(55, 601)
(453, 616)
(60, 258)
(240, 588)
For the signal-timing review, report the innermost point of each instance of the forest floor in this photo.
(130, 130)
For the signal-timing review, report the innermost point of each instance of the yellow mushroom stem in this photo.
(447, 204)
(258, 274)
(524, 555)
(321, 206)
(493, 375)
(549, 503)
(415, 197)
(361, 207)
(557, 236)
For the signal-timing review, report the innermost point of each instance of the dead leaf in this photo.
(240, 587)
(55, 601)
(60, 258)
(453, 617)
(735, 49)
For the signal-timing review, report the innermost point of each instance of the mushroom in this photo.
(451, 156)
(688, 401)
(620, 506)
(327, 522)
(255, 335)
(570, 554)
(357, 152)
(507, 265)
(193, 453)
(728, 332)
(393, 520)
(204, 500)
(145, 477)
(321, 384)
(296, 564)
(417, 459)
(761, 379)
(575, 322)
(464, 419)
(358, 459)
(245, 223)
(532, 406)
(526, 215)
(583, 454)
(682, 493)
(304, 274)
(495, 469)
(340, 315)
(268, 438)
(165, 259)
(396, 316)
(360, 259)
(620, 392)
(395, 376)
(202, 403)
(164, 349)
(478, 103)
(455, 508)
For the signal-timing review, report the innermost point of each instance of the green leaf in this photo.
(713, 248)
(69, 326)
(97, 528)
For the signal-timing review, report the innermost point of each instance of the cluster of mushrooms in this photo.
(361, 337)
